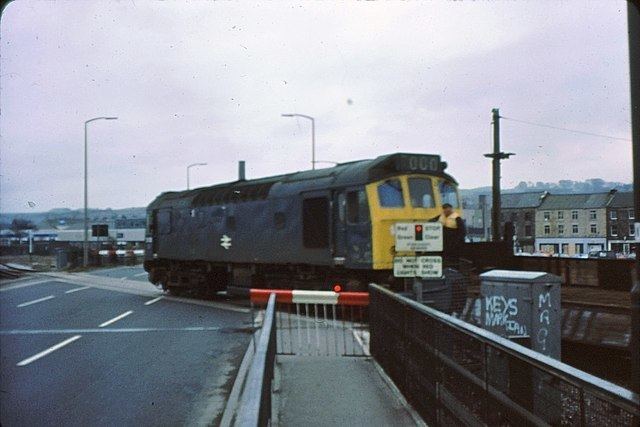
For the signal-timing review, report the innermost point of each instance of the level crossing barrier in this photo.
(318, 323)
(454, 373)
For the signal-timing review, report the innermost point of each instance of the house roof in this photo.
(521, 200)
(576, 201)
(622, 200)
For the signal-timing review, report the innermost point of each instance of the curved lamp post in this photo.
(85, 245)
(189, 167)
(313, 135)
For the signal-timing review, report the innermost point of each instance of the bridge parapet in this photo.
(446, 369)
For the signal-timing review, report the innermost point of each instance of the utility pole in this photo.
(633, 19)
(496, 156)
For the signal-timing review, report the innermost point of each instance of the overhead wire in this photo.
(565, 129)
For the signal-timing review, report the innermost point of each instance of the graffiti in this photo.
(499, 312)
(544, 300)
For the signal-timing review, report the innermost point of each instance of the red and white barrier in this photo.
(121, 252)
(261, 296)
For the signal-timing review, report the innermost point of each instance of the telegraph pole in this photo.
(633, 19)
(496, 156)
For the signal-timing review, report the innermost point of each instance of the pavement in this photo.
(104, 348)
(335, 390)
(325, 375)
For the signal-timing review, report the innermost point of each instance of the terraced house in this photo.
(520, 210)
(572, 223)
(620, 219)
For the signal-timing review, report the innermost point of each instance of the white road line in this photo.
(47, 351)
(108, 331)
(153, 300)
(137, 287)
(35, 301)
(70, 291)
(115, 319)
(140, 274)
(24, 285)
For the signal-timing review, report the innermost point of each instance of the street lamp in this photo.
(85, 246)
(313, 135)
(189, 167)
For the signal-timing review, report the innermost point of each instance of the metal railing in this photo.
(319, 323)
(255, 403)
(321, 330)
(454, 373)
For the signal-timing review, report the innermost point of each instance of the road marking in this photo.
(23, 285)
(115, 319)
(47, 351)
(70, 291)
(137, 288)
(153, 300)
(140, 274)
(35, 301)
(112, 330)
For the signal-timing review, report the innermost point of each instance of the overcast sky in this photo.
(207, 82)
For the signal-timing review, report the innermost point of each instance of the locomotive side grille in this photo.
(232, 194)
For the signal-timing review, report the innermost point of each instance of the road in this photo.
(88, 350)
(135, 272)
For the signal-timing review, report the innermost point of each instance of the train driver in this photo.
(453, 233)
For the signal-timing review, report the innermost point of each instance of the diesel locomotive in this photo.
(316, 229)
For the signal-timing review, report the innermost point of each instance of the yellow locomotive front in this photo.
(406, 198)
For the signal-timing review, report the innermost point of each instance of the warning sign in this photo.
(405, 266)
(429, 266)
(418, 237)
(422, 266)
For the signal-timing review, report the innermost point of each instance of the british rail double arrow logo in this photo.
(225, 242)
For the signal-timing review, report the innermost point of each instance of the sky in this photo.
(203, 81)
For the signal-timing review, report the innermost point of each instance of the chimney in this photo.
(241, 175)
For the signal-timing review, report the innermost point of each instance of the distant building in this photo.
(620, 228)
(119, 235)
(572, 223)
(473, 221)
(520, 210)
(130, 223)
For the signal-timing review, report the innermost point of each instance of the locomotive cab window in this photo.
(357, 207)
(421, 193)
(448, 194)
(315, 222)
(390, 194)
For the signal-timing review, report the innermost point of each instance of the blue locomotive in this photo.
(315, 229)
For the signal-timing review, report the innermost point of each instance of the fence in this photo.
(454, 373)
(602, 273)
(255, 403)
(318, 323)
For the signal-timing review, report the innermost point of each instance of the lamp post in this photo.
(85, 245)
(313, 135)
(189, 167)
